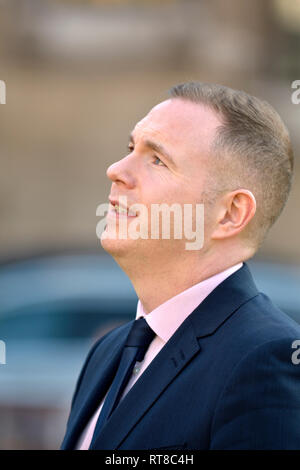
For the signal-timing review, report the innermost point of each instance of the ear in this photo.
(235, 211)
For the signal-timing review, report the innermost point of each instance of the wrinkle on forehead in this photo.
(186, 125)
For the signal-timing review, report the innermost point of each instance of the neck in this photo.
(156, 281)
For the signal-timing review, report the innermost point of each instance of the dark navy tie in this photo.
(136, 345)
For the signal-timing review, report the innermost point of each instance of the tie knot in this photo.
(140, 336)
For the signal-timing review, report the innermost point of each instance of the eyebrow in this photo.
(157, 148)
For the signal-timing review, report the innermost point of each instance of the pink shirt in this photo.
(164, 325)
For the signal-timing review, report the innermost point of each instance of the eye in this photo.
(156, 158)
(130, 148)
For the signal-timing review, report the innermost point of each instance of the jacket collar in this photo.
(223, 301)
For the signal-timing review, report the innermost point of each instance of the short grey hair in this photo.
(251, 150)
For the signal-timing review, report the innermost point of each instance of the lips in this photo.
(121, 209)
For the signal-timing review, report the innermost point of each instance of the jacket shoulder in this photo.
(259, 407)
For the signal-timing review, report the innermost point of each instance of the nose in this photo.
(121, 172)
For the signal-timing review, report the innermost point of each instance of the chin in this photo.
(116, 247)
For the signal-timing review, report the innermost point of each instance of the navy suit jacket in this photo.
(224, 380)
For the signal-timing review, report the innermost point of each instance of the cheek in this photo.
(163, 186)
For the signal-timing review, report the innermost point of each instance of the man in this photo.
(217, 371)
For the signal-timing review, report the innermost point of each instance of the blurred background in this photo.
(79, 74)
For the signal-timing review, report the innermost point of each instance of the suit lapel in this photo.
(160, 373)
(89, 397)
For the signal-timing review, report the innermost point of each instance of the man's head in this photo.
(251, 150)
(213, 145)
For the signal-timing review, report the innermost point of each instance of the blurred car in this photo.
(281, 282)
(52, 309)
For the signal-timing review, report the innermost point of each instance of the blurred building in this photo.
(79, 74)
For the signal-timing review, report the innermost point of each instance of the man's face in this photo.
(167, 162)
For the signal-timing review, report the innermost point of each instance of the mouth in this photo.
(119, 210)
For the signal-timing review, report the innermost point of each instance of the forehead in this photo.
(180, 125)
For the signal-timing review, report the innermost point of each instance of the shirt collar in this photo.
(167, 317)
